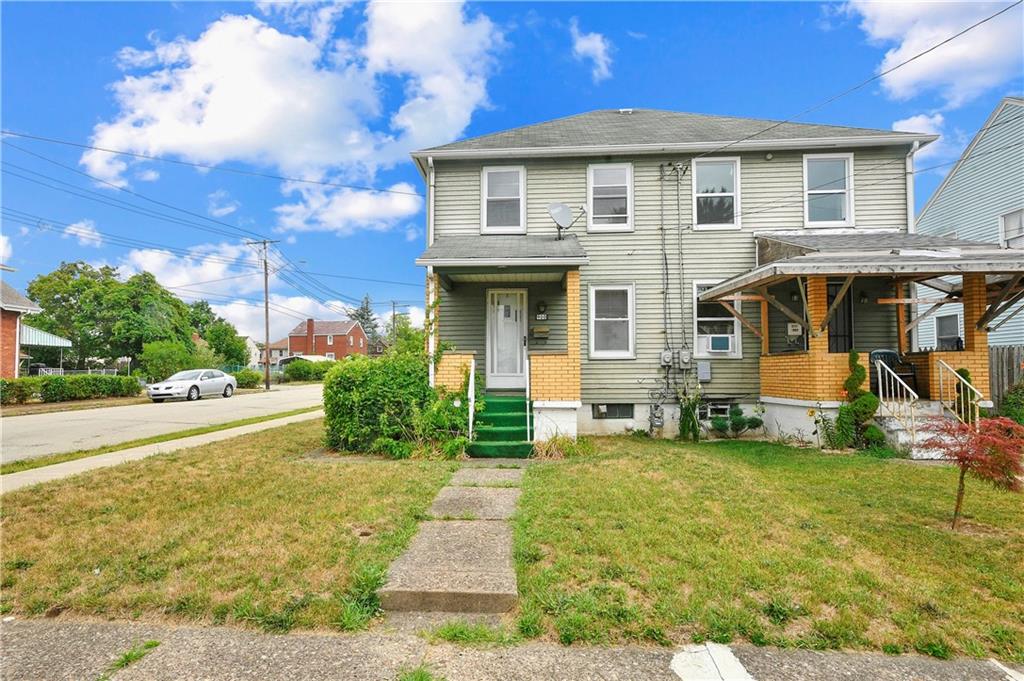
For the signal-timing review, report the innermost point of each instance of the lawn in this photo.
(243, 531)
(670, 542)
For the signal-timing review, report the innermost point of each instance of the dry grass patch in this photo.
(665, 542)
(241, 531)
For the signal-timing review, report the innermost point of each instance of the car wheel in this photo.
(228, 390)
(193, 394)
(158, 400)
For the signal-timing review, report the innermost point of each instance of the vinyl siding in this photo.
(970, 203)
(771, 196)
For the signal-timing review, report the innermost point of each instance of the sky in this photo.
(335, 96)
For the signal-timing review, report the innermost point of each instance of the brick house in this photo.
(12, 306)
(736, 257)
(331, 339)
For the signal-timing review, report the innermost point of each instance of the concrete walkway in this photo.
(13, 481)
(58, 649)
(461, 561)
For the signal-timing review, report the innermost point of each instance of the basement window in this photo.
(611, 411)
(709, 409)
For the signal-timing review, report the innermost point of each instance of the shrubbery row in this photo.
(66, 388)
(248, 378)
(304, 370)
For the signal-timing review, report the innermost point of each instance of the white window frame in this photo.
(1003, 241)
(627, 226)
(484, 229)
(360, 342)
(737, 330)
(959, 326)
(351, 341)
(630, 289)
(329, 355)
(736, 216)
(330, 340)
(849, 221)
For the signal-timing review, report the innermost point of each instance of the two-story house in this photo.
(330, 339)
(740, 257)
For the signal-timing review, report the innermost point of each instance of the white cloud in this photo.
(950, 142)
(220, 204)
(210, 268)
(85, 232)
(412, 233)
(984, 58)
(417, 316)
(636, 35)
(347, 210)
(594, 47)
(285, 313)
(6, 250)
(147, 175)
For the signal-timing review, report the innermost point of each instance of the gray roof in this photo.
(11, 299)
(321, 328)
(868, 240)
(645, 127)
(484, 249)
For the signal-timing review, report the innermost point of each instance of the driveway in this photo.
(28, 437)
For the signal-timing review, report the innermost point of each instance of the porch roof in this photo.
(486, 250)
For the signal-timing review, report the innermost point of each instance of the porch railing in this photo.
(471, 390)
(56, 371)
(897, 398)
(529, 410)
(958, 396)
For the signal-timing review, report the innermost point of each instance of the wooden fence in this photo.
(1005, 369)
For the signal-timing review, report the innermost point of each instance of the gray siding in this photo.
(972, 199)
(771, 196)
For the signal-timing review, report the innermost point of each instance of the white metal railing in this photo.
(958, 396)
(897, 398)
(56, 371)
(529, 410)
(471, 389)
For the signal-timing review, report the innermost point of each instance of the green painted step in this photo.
(517, 433)
(509, 419)
(501, 450)
(504, 405)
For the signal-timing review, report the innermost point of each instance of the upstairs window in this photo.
(828, 183)
(716, 196)
(717, 332)
(611, 321)
(610, 196)
(503, 200)
(330, 340)
(1012, 227)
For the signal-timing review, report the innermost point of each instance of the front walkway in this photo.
(48, 649)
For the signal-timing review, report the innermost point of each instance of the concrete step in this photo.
(475, 503)
(454, 566)
(487, 476)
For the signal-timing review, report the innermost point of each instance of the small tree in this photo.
(994, 452)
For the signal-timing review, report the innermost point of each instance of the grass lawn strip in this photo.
(50, 459)
(669, 542)
(128, 658)
(242, 531)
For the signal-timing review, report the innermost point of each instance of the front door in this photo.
(506, 338)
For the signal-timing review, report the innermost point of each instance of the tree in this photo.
(225, 341)
(993, 452)
(143, 311)
(404, 337)
(367, 319)
(160, 359)
(201, 316)
(74, 299)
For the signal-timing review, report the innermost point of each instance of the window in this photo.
(503, 200)
(717, 332)
(1012, 227)
(705, 410)
(610, 196)
(351, 341)
(947, 332)
(716, 198)
(330, 340)
(330, 355)
(611, 321)
(828, 182)
(361, 342)
(611, 411)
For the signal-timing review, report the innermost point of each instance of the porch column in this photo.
(975, 354)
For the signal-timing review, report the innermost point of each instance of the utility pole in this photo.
(394, 321)
(265, 243)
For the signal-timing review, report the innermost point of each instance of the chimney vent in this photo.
(625, 112)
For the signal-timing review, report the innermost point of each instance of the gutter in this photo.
(501, 262)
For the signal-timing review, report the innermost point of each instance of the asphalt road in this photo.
(28, 437)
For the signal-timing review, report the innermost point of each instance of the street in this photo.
(31, 436)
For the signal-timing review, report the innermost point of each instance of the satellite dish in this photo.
(561, 214)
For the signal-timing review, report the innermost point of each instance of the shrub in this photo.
(20, 390)
(736, 423)
(66, 388)
(855, 381)
(304, 370)
(248, 378)
(161, 359)
(873, 437)
(1013, 403)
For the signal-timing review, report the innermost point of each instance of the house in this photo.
(278, 349)
(740, 257)
(332, 339)
(254, 353)
(981, 199)
(12, 306)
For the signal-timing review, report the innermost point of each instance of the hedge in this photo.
(304, 370)
(66, 388)
(248, 378)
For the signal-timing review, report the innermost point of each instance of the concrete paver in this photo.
(475, 503)
(487, 476)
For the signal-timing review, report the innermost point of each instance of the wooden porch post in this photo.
(764, 327)
(901, 320)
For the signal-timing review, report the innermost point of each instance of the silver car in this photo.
(193, 384)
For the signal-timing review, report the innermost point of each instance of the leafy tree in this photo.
(367, 319)
(160, 359)
(143, 311)
(74, 299)
(225, 341)
(201, 317)
(404, 337)
(993, 451)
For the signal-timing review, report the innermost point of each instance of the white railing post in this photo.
(966, 410)
(472, 394)
(529, 410)
(897, 398)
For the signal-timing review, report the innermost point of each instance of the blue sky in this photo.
(341, 94)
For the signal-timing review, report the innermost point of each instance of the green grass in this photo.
(243, 531)
(420, 673)
(129, 657)
(668, 542)
(50, 459)
(460, 631)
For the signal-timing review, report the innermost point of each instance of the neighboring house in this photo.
(254, 352)
(981, 199)
(332, 339)
(12, 306)
(746, 257)
(278, 349)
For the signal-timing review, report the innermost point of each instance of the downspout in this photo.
(911, 226)
(431, 337)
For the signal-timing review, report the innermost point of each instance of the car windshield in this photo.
(185, 376)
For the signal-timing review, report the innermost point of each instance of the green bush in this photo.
(20, 390)
(855, 381)
(1012, 406)
(248, 378)
(736, 423)
(873, 437)
(66, 388)
(304, 370)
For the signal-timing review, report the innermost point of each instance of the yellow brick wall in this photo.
(557, 376)
(451, 370)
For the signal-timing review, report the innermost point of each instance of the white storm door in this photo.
(506, 338)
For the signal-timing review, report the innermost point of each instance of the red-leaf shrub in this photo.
(993, 452)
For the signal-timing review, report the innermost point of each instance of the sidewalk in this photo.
(48, 649)
(34, 476)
